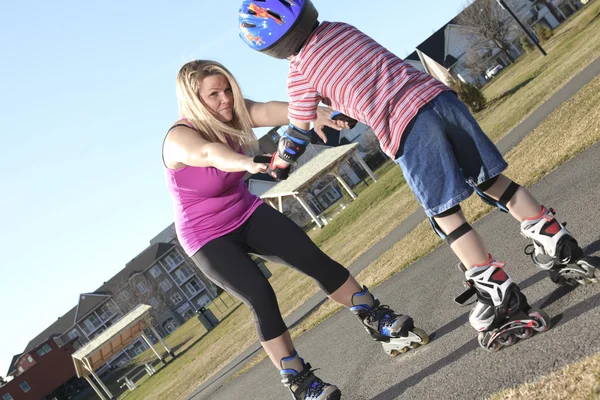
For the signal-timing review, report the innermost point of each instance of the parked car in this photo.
(489, 74)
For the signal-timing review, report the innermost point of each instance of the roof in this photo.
(138, 264)
(87, 303)
(435, 45)
(13, 363)
(144, 260)
(110, 342)
(59, 327)
(314, 167)
(413, 56)
(167, 235)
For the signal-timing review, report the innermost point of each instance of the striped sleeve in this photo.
(303, 98)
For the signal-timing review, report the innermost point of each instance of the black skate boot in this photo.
(555, 250)
(502, 314)
(396, 332)
(303, 384)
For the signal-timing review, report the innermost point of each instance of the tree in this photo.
(371, 143)
(130, 293)
(476, 56)
(470, 95)
(556, 13)
(487, 20)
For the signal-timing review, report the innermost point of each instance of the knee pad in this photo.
(455, 234)
(502, 203)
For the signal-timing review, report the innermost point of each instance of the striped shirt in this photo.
(352, 73)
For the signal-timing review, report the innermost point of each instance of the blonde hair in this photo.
(234, 134)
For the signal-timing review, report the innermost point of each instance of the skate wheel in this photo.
(524, 333)
(395, 352)
(507, 339)
(541, 319)
(422, 334)
(483, 342)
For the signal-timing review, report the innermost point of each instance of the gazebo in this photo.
(109, 343)
(326, 162)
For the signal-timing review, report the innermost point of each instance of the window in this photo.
(21, 370)
(126, 295)
(193, 287)
(153, 302)
(142, 287)
(7, 396)
(181, 275)
(29, 358)
(91, 323)
(74, 334)
(107, 311)
(173, 260)
(45, 349)
(155, 271)
(25, 386)
(166, 285)
(176, 298)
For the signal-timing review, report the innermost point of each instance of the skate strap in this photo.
(466, 295)
(304, 380)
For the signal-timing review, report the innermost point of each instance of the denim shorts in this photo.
(444, 153)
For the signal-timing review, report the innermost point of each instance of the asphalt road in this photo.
(453, 366)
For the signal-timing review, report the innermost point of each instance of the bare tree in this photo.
(371, 143)
(139, 289)
(476, 56)
(486, 19)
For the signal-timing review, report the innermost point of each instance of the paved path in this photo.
(438, 313)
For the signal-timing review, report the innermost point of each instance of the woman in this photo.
(219, 222)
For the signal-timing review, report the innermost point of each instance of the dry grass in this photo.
(579, 381)
(521, 89)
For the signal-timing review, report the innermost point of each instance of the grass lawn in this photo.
(381, 207)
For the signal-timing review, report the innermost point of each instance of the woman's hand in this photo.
(255, 168)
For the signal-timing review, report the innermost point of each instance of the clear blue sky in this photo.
(87, 92)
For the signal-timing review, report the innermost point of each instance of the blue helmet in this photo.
(278, 28)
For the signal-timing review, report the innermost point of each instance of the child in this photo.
(422, 125)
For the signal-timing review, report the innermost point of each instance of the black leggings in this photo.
(273, 236)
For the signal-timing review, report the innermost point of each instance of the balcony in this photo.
(182, 275)
(172, 261)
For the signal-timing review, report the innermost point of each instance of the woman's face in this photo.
(215, 92)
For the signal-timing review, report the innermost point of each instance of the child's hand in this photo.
(277, 162)
(324, 119)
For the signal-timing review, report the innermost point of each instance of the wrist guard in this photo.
(293, 144)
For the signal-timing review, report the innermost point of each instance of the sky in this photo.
(87, 93)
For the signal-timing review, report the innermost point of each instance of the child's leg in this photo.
(522, 205)
(442, 162)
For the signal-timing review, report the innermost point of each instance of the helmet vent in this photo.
(286, 3)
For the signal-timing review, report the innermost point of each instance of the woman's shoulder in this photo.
(181, 123)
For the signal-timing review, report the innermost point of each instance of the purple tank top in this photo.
(208, 203)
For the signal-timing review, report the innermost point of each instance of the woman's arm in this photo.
(271, 113)
(184, 146)
(274, 113)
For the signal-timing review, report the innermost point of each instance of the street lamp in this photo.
(504, 6)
